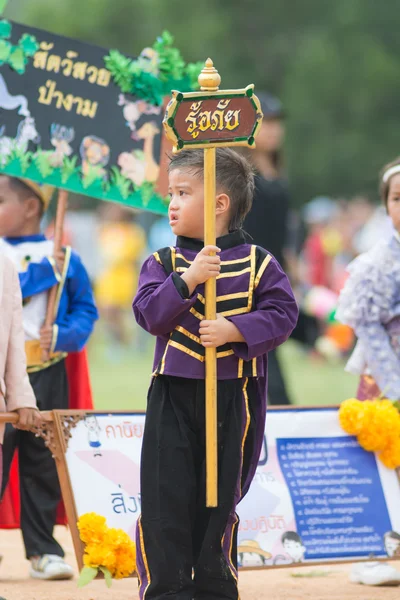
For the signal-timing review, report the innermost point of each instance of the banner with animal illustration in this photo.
(65, 122)
(317, 496)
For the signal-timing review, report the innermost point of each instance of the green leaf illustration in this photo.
(42, 161)
(86, 576)
(146, 191)
(24, 158)
(92, 175)
(5, 50)
(17, 60)
(152, 82)
(16, 56)
(121, 182)
(5, 29)
(119, 67)
(170, 61)
(28, 44)
(68, 168)
(107, 576)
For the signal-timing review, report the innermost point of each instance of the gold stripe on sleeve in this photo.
(261, 270)
(157, 257)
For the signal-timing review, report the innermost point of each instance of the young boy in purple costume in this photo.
(185, 550)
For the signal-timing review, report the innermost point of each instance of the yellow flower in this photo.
(92, 528)
(372, 441)
(125, 552)
(376, 423)
(352, 414)
(117, 537)
(107, 547)
(380, 426)
(99, 555)
(126, 561)
(387, 417)
(390, 456)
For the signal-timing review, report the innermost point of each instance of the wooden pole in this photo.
(62, 202)
(13, 417)
(181, 124)
(211, 353)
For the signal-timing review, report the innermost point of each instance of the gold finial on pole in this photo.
(209, 78)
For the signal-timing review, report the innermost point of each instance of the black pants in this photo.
(39, 485)
(185, 550)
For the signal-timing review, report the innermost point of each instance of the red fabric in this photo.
(80, 397)
(319, 264)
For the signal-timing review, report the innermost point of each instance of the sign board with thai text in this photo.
(317, 496)
(204, 120)
(64, 122)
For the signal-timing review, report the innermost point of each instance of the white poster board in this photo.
(317, 495)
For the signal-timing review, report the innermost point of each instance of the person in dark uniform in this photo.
(267, 222)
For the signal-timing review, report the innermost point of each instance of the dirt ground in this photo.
(320, 583)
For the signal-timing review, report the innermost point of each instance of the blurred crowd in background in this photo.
(335, 66)
(314, 244)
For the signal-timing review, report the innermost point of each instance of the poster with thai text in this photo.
(103, 461)
(317, 496)
(64, 121)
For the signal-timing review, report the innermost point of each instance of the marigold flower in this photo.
(390, 456)
(372, 441)
(92, 528)
(352, 414)
(106, 547)
(377, 426)
(99, 555)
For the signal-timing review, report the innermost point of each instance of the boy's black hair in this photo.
(393, 535)
(291, 536)
(234, 177)
(24, 192)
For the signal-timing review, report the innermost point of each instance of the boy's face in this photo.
(91, 423)
(186, 208)
(252, 559)
(294, 549)
(13, 211)
(392, 546)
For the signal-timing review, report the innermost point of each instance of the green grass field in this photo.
(123, 384)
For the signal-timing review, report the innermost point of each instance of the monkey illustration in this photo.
(95, 152)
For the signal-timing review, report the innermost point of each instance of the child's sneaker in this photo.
(50, 567)
(375, 573)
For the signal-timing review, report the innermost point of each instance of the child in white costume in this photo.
(370, 304)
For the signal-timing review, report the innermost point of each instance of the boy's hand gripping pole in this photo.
(211, 353)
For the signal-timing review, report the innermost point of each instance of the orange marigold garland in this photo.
(108, 550)
(376, 423)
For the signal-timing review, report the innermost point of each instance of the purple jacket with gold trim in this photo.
(252, 291)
